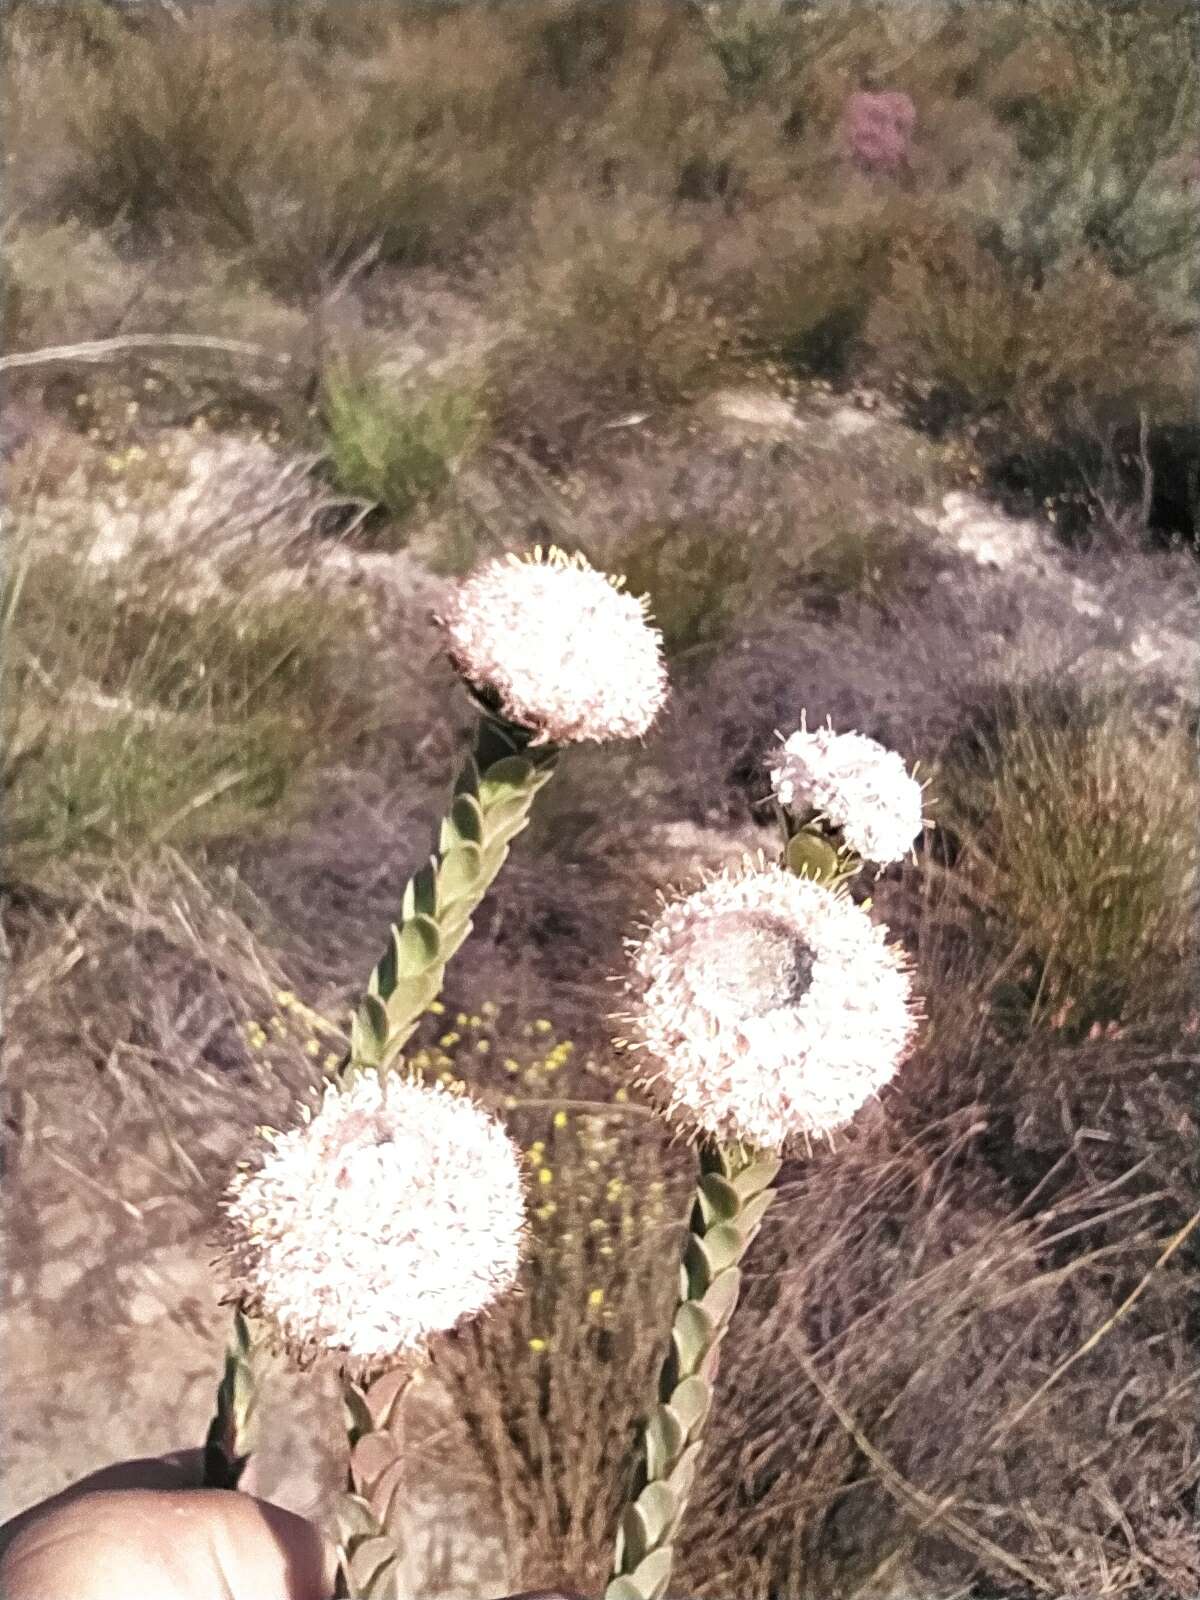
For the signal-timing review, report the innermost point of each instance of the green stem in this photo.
(492, 799)
(732, 1197)
(491, 803)
(369, 1555)
(225, 1449)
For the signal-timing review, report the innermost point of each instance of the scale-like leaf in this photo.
(623, 1589)
(684, 1473)
(693, 1332)
(418, 947)
(373, 1569)
(461, 871)
(355, 1519)
(753, 1179)
(653, 1574)
(691, 1402)
(719, 1200)
(503, 778)
(722, 1247)
(466, 818)
(754, 1211)
(809, 856)
(659, 1508)
(665, 1438)
(721, 1297)
(411, 996)
(636, 1542)
(421, 894)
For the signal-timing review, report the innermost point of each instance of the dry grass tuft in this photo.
(1080, 835)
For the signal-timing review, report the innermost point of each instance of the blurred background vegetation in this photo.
(310, 304)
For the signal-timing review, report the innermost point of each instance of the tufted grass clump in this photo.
(272, 145)
(701, 577)
(138, 715)
(1080, 835)
(398, 448)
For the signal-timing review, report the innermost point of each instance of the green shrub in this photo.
(581, 40)
(610, 316)
(1103, 101)
(398, 447)
(170, 126)
(955, 317)
(1060, 377)
(750, 48)
(815, 284)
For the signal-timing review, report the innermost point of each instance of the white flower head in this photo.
(391, 1214)
(856, 785)
(773, 1006)
(562, 647)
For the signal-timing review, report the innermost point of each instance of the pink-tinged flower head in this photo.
(878, 127)
(854, 784)
(773, 1007)
(563, 648)
(390, 1215)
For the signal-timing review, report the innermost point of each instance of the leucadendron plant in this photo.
(394, 1210)
(772, 1008)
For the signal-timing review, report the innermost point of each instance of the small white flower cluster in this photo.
(566, 651)
(773, 1006)
(391, 1214)
(856, 785)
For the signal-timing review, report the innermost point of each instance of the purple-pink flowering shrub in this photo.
(878, 126)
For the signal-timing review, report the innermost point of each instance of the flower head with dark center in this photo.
(772, 1007)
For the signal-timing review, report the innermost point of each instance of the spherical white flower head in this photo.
(563, 648)
(391, 1214)
(857, 785)
(772, 1005)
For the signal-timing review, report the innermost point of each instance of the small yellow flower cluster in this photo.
(579, 1270)
(443, 1056)
(121, 461)
(293, 1029)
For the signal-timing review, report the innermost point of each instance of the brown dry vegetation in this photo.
(605, 274)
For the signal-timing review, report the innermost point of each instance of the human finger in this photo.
(192, 1544)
